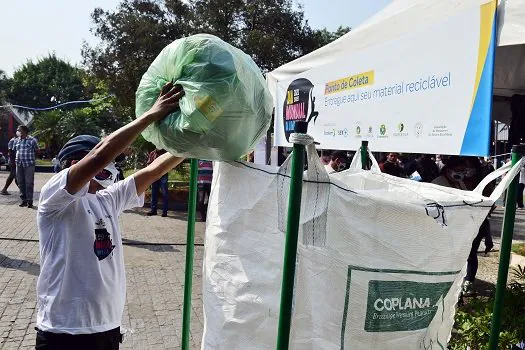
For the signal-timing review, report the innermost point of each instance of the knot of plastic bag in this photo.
(301, 139)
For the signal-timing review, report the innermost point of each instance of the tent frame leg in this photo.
(290, 248)
(190, 240)
(504, 256)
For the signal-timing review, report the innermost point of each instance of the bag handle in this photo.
(511, 171)
(357, 163)
(314, 210)
(315, 172)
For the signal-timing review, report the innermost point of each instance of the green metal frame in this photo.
(190, 240)
(504, 256)
(290, 248)
(364, 155)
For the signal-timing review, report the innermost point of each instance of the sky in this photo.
(33, 28)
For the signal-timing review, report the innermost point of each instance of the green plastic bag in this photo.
(227, 107)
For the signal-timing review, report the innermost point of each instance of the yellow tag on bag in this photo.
(207, 106)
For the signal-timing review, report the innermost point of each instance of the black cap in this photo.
(77, 145)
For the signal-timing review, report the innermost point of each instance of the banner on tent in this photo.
(430, 91)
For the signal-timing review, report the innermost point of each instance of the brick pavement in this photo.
(155, 276)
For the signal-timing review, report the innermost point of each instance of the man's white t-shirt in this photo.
(82, 284)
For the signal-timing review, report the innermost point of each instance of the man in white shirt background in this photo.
(81, 289)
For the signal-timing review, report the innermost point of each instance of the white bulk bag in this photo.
(380, 259)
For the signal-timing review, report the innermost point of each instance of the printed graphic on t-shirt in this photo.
(103, 245)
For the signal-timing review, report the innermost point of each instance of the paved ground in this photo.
(155, 277)
(154, 254)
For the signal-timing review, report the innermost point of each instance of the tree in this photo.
(5, 84)
(57, 126)
(322, 37)
(35, 84)
(131, 38)
(52, 81)
(273, 32)
(222, 18)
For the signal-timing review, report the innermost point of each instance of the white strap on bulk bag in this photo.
(511, 171)
(357, 163)
(315, 197)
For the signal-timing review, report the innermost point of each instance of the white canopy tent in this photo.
(401, 17)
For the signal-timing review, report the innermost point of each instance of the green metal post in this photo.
(504, 255)
(364, 155)
(190, 239)
(290, 247)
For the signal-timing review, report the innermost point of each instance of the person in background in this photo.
(425, 167)
(204, 178)
(473, 176)
(324, 157)
(11, 160)
(486, 168)
(439, 161)
(56, 164)
(161, 184)
(521, 187)
(452, 174)
(119, 164)
(473, 172)
(338, 162)
(460, 173)
(26, 148)
(392, 165)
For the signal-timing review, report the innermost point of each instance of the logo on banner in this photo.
(329, 132)
(299, 105)
(400, 131)
(418, 129)
(382, 130)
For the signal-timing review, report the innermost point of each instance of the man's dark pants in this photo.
(109, 340)
(26, 181)
(162, 184)
(11, 177)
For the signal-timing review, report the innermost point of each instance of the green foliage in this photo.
(519, 248)
(131, 37)
(273, 32)
(473, 320)
(34, 84)
(57, 126)
(5, 85)
(322, 37)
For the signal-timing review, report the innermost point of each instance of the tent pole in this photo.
(190, 240)
(496, 130)
(364, 155)
(504, 256)
(290, 248)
